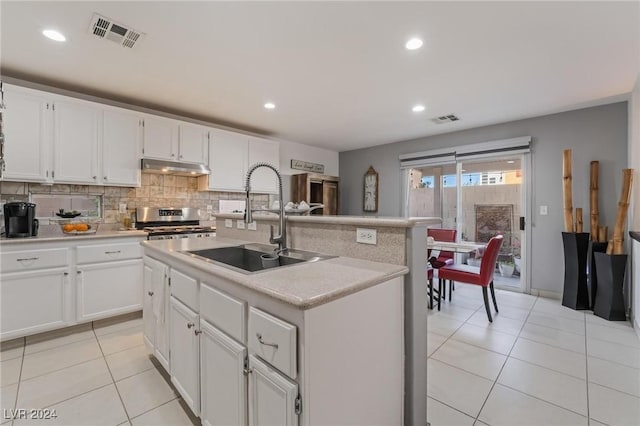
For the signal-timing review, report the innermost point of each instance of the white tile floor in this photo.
(538, 363)
(101, 376)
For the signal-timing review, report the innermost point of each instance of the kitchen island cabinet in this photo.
(279, 346)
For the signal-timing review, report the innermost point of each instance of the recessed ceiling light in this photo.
(418, 108)
(413, 44)
(510, 162)
(269, 105)
(54, 35)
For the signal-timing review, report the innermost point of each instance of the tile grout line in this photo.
(586, 367)
(505, 362)
(112, 378)
(177, 397)
(15, 402)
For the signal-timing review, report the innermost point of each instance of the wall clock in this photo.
(370, 199)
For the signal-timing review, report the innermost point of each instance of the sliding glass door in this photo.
(491, 203)
(480, 198)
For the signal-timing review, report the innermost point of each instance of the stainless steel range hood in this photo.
(174, 168)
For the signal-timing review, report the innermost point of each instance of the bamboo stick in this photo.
(579, 219)
(623, 208)
(566, 190)
(610, 247)
(602, 234)
(593, 201)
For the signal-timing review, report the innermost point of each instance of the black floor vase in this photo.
(576, 251)
(592, 275)
(610, 269)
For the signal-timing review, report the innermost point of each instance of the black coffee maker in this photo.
(20, 220)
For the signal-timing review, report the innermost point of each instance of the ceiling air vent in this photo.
(106, 28)
(445, 119)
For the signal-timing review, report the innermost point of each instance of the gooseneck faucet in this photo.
(281, 238)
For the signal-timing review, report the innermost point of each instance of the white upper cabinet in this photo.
(264, 151)
(230, 156)
(160, 136)
(75, 140)
(121, 147)
(227, 160)
(27, 122)
(193, 143)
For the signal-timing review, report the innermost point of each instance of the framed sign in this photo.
(370, 199)
(307, 166)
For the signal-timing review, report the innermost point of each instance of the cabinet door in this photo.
(34, 301)
(75, 141)
(121, 137)
(161, 308)
(227, 160)
(272, 396)
(222, 378)
(27, 133)
(108, 289)
(185, 353)
(148, 319)
(264, 151)
(193, 143)
(159, 138)
(330, 198)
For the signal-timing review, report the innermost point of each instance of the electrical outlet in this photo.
(240, 224)
(544, 210)
(366, 236)
(228, 223)
(252, 226)
(123, 208)
(209, 208)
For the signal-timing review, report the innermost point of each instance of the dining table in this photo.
(461, 247)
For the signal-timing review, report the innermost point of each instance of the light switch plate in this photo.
(544, 210)
(123, 208)
(366, 236)
(228, 223)
(240, 224)
(252, 226)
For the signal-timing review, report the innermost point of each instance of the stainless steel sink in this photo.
(251, 258)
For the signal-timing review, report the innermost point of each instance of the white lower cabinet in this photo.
(45, 285)
(273, 398)
(184, 329)
(155, 309)
(34, 301)
(108, 289)
(223, 383)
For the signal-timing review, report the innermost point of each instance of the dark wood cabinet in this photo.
(314, 188)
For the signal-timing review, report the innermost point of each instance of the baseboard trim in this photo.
(546, 294)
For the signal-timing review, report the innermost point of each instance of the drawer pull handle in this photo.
(262, 342)
(27, 259)
(150, 293)
(112, 252)
(190, 325)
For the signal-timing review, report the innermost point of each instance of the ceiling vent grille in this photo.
(445, 119)
(106, 28)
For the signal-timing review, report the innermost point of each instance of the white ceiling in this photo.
(337, 71)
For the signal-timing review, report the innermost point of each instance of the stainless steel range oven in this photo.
(172, 222)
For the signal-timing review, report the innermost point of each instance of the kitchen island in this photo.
(312, 343)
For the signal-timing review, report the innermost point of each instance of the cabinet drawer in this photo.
(223, 311)
(97, 253)
(28, 260)
(273, 340)
(185, 289)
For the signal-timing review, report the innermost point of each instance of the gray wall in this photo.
(598, 133)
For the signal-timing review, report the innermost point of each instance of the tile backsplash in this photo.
(156, 191)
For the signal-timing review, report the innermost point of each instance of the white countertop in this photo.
(397, 222)
(62, 237)
(304, 285)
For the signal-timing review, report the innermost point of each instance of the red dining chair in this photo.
(482, 276)
(444, 257)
